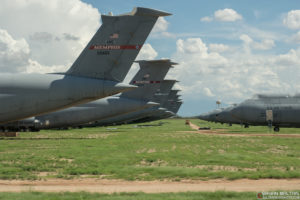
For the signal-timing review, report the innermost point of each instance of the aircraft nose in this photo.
(219, 116)
(202, 117)
(237, 112)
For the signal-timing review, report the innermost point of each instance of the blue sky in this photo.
(261, 20)
(228, 50)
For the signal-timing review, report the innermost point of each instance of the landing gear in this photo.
(270, 125)
(276, 129)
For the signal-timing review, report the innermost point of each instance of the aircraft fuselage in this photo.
(284, 112)
(26, 95)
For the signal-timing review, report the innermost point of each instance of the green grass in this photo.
(148, 153)
(130, 196)
(235, 128)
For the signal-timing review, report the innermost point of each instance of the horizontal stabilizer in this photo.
(147, 12)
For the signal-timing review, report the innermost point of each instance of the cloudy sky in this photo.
(228, 50)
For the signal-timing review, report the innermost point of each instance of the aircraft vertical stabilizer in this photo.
(164, 90)
(149, 79)
(110, 53)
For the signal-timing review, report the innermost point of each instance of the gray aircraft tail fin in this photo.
(112, 50)
(148, 78)
(171, 97)
(176, 106)
(162, 94)
(173, 105)
(173, 94)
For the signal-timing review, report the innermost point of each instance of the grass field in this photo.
(240, 129)
(131, 196)
(149, 153)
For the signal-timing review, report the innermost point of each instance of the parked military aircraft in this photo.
(271, 110)
(95, 74)
(133, 116)
(221, 115)
(225, 116)
(148, 78)
(210, 116)
(174, 105)
(168, 109)
(161, 111)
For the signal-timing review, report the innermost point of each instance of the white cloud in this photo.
(292, 58)
(35, 67)
(246, 38)
(147, 53)
(55, 32)
(208, 92)
(227, 15)
(192, 46)
(234, 76)
(292, 19)
(193, 58)
(14, 54)
(295, 38)
(160, 29)
(206, 19)
(218, 48)
(265, 44)
(15, 57)
(161, 25)
(168, 34)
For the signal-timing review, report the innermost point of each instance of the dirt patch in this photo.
(111, 186)
(193, 126)
(153, 163)
(45, 174)
(98, 135)
(220, 132)
(151, 151)
(66, 159)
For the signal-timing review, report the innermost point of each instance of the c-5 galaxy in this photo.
(96, 73)
(148, 79)
(169, 108)
(169, 103)
(144, 115)
(221, 115)
(133, 116)
(210, 116)
(271, 110)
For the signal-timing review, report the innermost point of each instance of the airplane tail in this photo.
(112, 50)
(170, 99)
(173, 94)
(175, 107)
(148, 78)
(162, 95)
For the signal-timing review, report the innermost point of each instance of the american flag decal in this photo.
(114, 36)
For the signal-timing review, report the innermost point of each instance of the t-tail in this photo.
(112, 50)
(175, 106)
(162, 95)
(148, 79)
